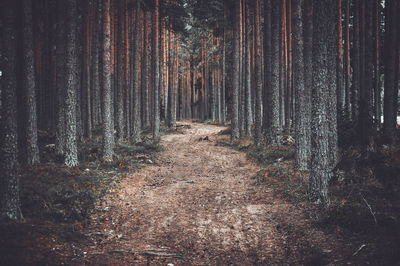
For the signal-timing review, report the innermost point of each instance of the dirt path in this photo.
(198, 205)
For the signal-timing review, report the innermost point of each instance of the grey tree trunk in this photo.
(391, 88)
(223, 89)
(171, 95)
(156, 73)
(236, 73)
(60, 77)
(247, 79)
(273, 99)
(320, 169)
(121, 79)
(258, 77)
(136, 125)
(355, 92)
(302, 93)
(267, 68)
(332, 111)
(71, 149)
(32, 150)
(108, 132)
(9, 188)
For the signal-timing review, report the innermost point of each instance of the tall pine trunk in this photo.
(9, 188)
(108, 132)
(391, 88)
(302, 93)
(136, 123)
(236, 72)
(156, 73)
(320, 169)
(71, 149)
(258, 75)
(29, 86)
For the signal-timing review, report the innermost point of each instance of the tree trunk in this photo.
(247, 66)
(9, 188)
(258, 75)
(341, 95)
(267, 67)
(320, 170)
(347, 89)
(60, 76)
(391, 88)
(136, 123)
(236, 72)
(377, 64)
(108, 132)
(302, 93)
(355, 92)
(29, 87)
(273, 99)
(156, 73)
(71, 149)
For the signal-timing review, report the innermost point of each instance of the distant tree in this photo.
(156, 72)
(136, 123)
(267, 68)
(258, 75)
(236, 71)
(341, 93)
(9, 187)
(247, 71)
(29, 86)
(347, 76)
(60, 77)
(390, 62)
(355, 59)
(108, 132)
(121, 78)
(273, 103)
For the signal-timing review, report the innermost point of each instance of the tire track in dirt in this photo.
(198, 200)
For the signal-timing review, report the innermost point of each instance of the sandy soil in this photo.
(198, 205)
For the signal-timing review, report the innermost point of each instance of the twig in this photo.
(122, 251)
(173, 255)
(370, 209)
(359, 249)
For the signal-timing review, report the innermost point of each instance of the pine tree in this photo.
(29, 86)
(71, 149)
(108, 132)
(9, 187)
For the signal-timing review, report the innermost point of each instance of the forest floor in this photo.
(200, 202)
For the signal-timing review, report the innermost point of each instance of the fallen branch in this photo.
(173, 255)
(370, 209)
(359, 249)
(122, 251)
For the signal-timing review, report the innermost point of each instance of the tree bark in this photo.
(29, 86)
(302, 93)
(273, 102)
(320, 169)
(71, 149)
(156, 73)
(258, 71)
(267, 67)
(108, 132)
(136, 123)
(391, 88)
(9, 187)
(60, 76)
(236, 72)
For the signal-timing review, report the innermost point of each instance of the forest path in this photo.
(197, 205)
